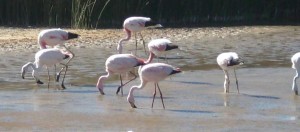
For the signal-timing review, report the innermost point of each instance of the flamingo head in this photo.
(100, 88)
(72, 35)
(24, 70)
(130, 99)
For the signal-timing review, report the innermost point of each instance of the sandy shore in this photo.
(24, 38)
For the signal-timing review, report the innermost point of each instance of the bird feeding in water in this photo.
(53, 37)
(227, 61)
(153, 72)
(118, 64)
(160, 47)
(135, 25)
(46, 57)
(296, 65)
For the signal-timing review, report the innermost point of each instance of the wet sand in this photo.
(194, 99)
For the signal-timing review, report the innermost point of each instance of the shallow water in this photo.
(194, 99)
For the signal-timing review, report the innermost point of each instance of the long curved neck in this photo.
(100, 82)
(120, 47)
(29, 64)
(142, 85)
(151, 56)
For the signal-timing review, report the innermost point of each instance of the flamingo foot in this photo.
(39, 82)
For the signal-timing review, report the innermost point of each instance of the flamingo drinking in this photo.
(118, 64)
(135, 24)
(226, 61)
(53, 37)
(153, 72)
(46, 57)
(160, 46)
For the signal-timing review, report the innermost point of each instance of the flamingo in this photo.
(229, 60)
(160, 46)
(135, 24)
(53, 37)
(153, 72)
(46, 57)
(296, 65)
(118, 64)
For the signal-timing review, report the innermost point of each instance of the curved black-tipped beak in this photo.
(132, 105)
(175, 71)
(101, 91)
(66, 57)
(72, 35)
(296, 92)
(23, 74)
(171, 46)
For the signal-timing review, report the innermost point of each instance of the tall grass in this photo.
(111, 13)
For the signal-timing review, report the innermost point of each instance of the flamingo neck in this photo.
(151, 56)
(120, 48)
(25, 68)
(100, 82)
(130, 95)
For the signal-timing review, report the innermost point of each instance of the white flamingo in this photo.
(159, 47)
(226, 61)
(296, 65)
(46, 57)
(134, 25)
(118, 64)
(153, 72)
(53, 37)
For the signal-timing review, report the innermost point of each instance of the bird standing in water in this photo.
(227, 61)
(53, 37)
(118, 64)
(135, 25)
(153, 72)
(46, 57)
(296, 65)
(159, 47)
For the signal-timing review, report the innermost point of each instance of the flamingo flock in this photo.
(121, 63)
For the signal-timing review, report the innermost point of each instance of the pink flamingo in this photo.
(160, 46)
(226, 61)
(135, 24)
(53, 37)
(296, 65)
(118, 64)
(153, 72)
(46, 57)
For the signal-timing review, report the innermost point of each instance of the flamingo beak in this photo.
(23, 74)
(296, 92)
(101, 91)
(132, 105)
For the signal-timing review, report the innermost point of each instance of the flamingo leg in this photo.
(226, 82)
(161, 96)
(121, 87)
(236, 81)
(146, 53)
(135, 43)
(154, 94)
(62, 82)
(48, 77)
(55, 72)
(72, 56)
